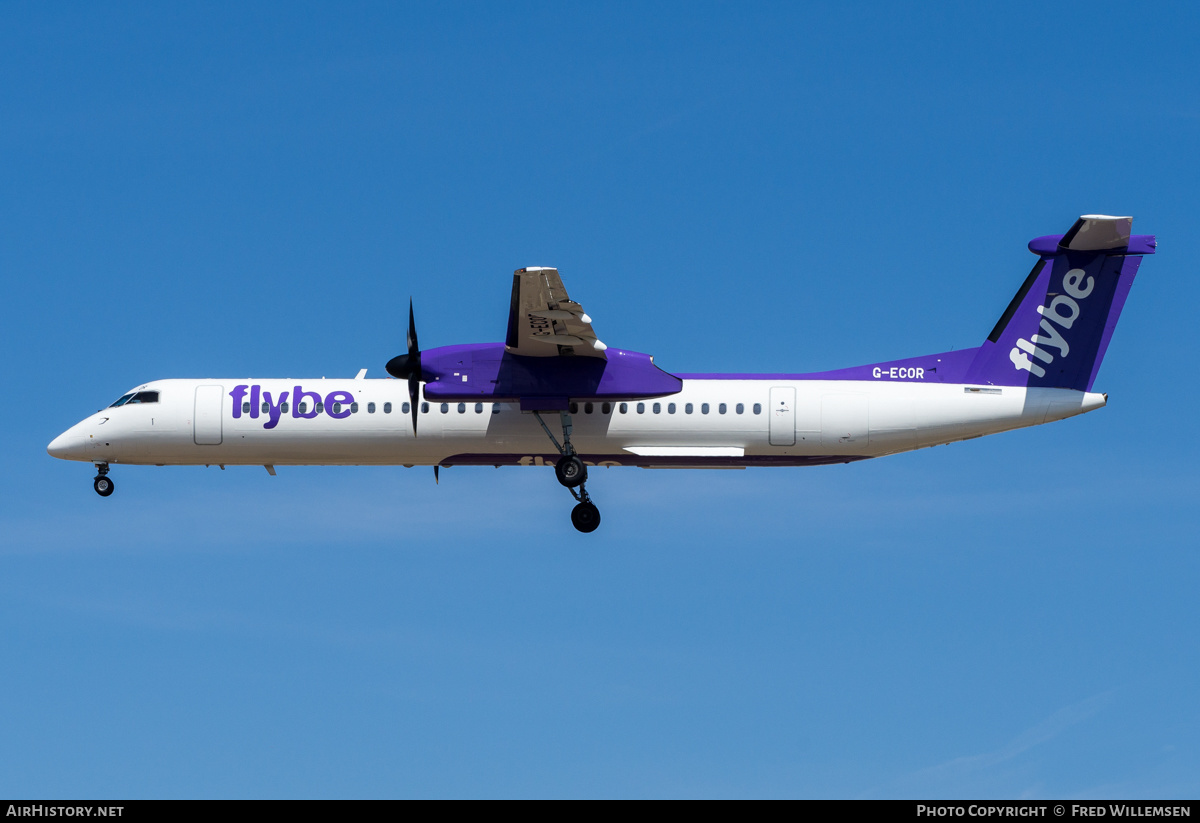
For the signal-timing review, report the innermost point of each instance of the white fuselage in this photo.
(797, 422)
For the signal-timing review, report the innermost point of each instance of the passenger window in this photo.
(670, 408)
(739, 408)
(424, 408)
(354, 408)
(370, 408)
(320, 407)
(495, 408)
(337, 408)
(574, 408)
(387, 408)
(445, 408)
(657, 408)
(246, 407)
(479, 408)
(301, 408)
(462, 408)
(721, 408)
(266, 408)
(641, 408)
(624, 408)
(687, 409)
(588, 408)
(283, 407)
(758, 408)
(704, 408)
(122, 400)
(606, 408)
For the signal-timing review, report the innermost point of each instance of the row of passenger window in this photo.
(656, 408)
(588, 408)
(337, 408)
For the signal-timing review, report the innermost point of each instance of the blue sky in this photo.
(214, 189)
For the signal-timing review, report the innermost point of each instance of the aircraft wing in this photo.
(544, 322)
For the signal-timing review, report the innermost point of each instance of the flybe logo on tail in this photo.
(1063, 311)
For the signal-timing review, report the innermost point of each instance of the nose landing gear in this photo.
(103, 484)
(572, 473)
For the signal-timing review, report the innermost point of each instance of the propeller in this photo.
(409, 365)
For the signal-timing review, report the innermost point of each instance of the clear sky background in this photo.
(191, 190)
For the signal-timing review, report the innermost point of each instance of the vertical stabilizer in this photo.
(1057, 328)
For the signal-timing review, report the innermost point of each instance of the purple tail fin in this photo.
(1057, 328)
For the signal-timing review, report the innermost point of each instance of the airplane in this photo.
(501, 404)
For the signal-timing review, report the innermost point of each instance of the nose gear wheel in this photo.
(103, 483)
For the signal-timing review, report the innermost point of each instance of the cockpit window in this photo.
(123, 400)
(144, 397)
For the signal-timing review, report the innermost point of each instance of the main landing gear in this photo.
(103, 484)
(572, 473)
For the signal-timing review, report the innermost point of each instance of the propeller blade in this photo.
(409, 365)
(414, 394)
(413, 348)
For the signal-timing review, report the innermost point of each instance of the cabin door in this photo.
(207, 417)
(783, 416)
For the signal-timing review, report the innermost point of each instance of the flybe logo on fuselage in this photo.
(305, 404)
(1049, 337)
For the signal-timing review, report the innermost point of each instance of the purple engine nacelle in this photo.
(485, 371)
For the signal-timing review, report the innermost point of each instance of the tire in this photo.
(585, 517)
(570, 471)
(103, 486)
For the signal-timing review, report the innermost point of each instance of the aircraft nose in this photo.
(67, 446)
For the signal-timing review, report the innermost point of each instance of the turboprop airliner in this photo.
(553, 394)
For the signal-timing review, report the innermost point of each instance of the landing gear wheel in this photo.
(571, 472)
(585, 517)
(104, 487)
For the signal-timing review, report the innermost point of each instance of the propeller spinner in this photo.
(409, 365)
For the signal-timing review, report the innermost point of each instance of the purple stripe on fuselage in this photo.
(747, 461)
(945, 367)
